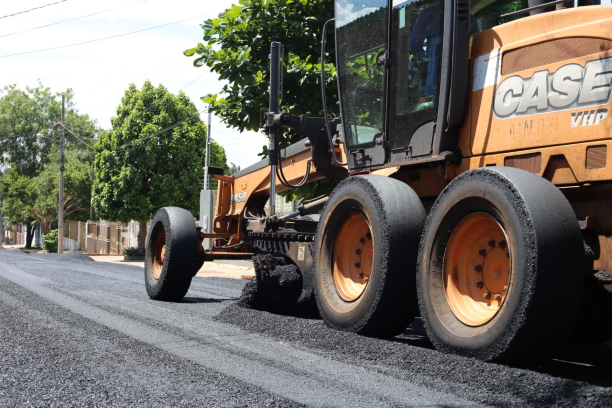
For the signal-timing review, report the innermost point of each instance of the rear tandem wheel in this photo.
(365, 257)
(501, 266)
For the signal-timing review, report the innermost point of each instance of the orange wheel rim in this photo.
(159, 252)
(353, 255)
(477, 269)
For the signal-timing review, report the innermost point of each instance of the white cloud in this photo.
(347, 12)
(100, 72)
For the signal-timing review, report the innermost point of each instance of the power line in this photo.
(71, 19)
(75, 135)
(166, 64)
(35, 8)
(101, 39)
(161, 131)
(194, 80)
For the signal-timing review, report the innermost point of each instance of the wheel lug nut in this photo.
(480, 284)
(498, 297)
(502, 244)
(357, 264)
(358, 251)
(367, 278)
(492, 243)
(478, 268)
(360, 275)
(487, 295)
(505, 288)
(362, 240)
(369, 236)
(483, 252)
(507, 254)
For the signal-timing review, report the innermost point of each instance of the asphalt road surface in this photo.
(74, 332)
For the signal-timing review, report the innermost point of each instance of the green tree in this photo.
(29, 131)
(29, 126)
(77, 188)
(153, 157)
(237, 47)
(18, 194)
(233, 168)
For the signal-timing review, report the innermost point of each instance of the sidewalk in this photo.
(227, 269)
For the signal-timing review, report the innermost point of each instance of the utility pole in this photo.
(90, 202)
(206, 204)
(207, 161)
(60, 212)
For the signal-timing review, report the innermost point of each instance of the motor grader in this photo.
(474, 182)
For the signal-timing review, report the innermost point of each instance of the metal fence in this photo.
(105, 237)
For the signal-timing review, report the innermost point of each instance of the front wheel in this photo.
(171, 253)
(501, 266)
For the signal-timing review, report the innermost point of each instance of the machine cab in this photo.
(403, 78)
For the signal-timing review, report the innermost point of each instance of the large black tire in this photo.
(384, 305)
(173, 232)
(543, 243)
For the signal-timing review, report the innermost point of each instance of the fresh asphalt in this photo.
(74, 332)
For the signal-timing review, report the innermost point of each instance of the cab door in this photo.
(416, 54)
(361, 49)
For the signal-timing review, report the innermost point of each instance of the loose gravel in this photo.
(120, 348)
(53, 358)
(410, 357)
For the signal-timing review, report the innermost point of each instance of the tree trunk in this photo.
(29, 235)
(142, 235)
(1, 228)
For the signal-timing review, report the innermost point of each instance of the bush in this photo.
(50, 241)
(132, 252)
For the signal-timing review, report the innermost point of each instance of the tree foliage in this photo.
(29, 126)
(77, 189)
(237, 46)
(153, 157)
(29, 139)
(19, 195)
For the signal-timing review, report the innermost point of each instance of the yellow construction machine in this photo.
(475, 186)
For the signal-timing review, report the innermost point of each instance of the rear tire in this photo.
(533, 295)
(170, 259)
(366, 249)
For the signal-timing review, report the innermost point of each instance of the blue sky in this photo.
(100, 72)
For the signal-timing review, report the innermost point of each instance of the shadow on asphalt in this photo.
(414, 335)
(590, 364)
(204, 300)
